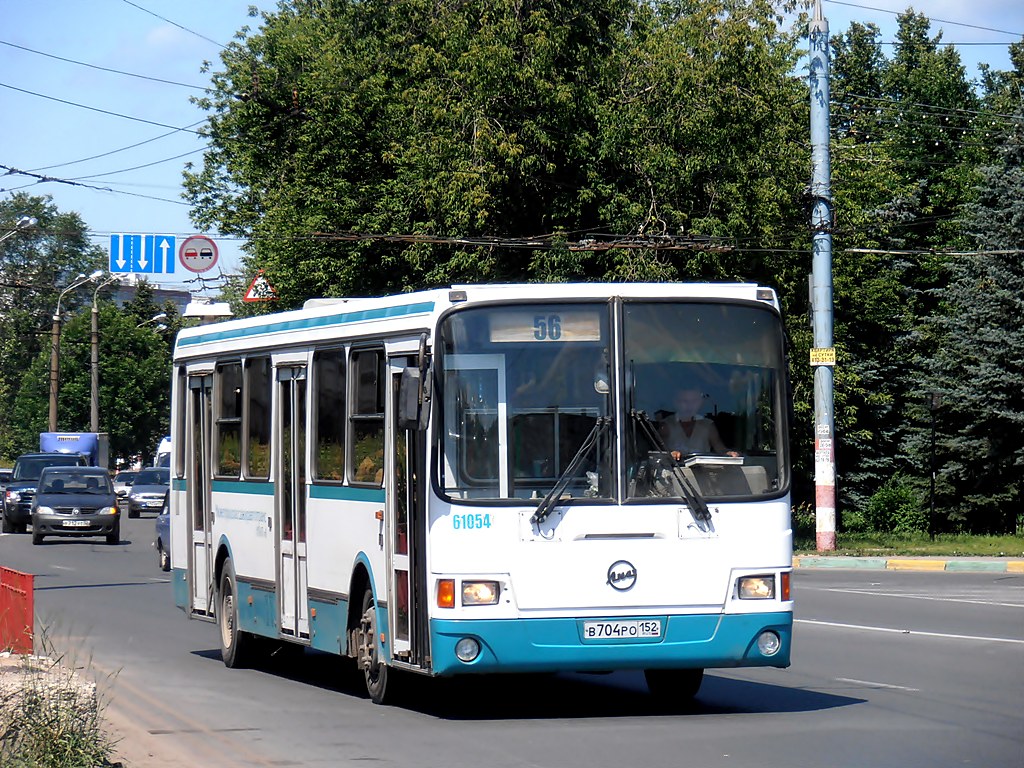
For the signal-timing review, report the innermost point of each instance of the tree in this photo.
(976, 368)
(506, 120)
(134, 384)
(35, 265)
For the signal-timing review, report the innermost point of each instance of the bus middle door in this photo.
(290, 501)
(199, 471)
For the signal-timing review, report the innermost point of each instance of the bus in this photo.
(477, 479)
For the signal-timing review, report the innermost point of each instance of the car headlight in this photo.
(46, 511)
(13, 496)
(756, 587)
(480, 592)
(107, 511)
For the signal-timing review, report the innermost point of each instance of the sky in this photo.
(55, 111)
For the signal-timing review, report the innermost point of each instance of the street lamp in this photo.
(155, 319)
(55, 344)
(94, 402)
(23, 223)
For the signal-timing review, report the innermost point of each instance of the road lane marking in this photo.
(890, 630)
(871, 684)
(912, 596)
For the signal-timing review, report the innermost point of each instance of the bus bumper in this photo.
(549, 645)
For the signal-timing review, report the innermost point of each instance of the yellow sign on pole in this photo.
(823, 356)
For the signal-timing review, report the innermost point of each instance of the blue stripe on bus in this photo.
(549, 645)
(308, 323)
(260, 488)
(346, 493)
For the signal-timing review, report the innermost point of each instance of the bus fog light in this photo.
(756, 587)
(467, 649)
(480, 592)
(768, 643)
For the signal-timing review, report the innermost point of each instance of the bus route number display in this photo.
(540, 326)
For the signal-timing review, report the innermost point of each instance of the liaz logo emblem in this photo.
(621, 575)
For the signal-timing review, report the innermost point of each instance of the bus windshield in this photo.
(523, 389)
(529, 401)
(705, 395)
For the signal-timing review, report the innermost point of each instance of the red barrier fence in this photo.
(17, 611)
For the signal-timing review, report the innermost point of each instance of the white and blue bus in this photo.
(481, 479)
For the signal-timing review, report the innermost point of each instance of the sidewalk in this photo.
(961, 564)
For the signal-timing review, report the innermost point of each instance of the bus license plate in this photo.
(76, 523)
(621, 630)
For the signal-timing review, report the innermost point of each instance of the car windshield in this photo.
(157, 476)
(30, 469)
(125, 477)
(70, 481)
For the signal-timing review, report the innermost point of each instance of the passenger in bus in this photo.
(685, 431)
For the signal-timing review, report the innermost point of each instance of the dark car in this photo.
(148, 490)
(75, 501)
(162, 540)
(18, 493)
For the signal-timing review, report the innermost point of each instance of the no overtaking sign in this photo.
(198, 253)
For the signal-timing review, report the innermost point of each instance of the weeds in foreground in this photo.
(51, 715)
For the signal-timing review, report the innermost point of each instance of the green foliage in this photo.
(896, 508)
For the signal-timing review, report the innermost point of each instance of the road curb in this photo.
(910, 564)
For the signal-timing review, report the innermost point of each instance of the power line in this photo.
(174, 23)
(105, 69)
(120, 149)
(97, 109)
(44, 179)
(930, 18)
(137, 167)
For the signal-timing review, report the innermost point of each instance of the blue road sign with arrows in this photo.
(151, 254)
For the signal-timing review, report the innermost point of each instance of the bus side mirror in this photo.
(413, 399)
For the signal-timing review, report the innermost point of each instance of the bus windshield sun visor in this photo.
(547, 504)
(692, 496)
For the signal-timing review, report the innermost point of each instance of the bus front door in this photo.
(293, 606)
(199, 471)
(406, 515)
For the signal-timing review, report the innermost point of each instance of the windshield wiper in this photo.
(691, 494)
(547, 504)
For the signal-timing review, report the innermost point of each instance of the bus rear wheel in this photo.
(673, 686)
(378, 677)
(236, 647)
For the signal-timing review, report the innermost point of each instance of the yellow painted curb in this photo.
(915, 565)
(1016, 566)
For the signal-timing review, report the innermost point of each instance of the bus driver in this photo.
(687, 432)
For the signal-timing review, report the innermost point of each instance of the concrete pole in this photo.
(94, 399)
(54, 367)
(823, 354)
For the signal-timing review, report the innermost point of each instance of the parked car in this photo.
(162, 540)
(148, 490)
(123, 484)
(18, 493)
(75, 501)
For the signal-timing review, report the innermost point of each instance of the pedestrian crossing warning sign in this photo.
(260, 289)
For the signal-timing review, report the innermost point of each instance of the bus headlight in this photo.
(768, 643)
(467, 649)
(480, 592)
(756, 587)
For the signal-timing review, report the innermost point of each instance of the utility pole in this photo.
(823, 356)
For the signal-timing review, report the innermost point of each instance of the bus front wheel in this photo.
(673, 686)
(236, 646)
(379, 679)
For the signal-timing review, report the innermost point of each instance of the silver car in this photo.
(148, 490)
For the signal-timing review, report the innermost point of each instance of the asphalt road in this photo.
(917, 670)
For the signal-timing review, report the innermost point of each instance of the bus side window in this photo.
(366, 459)
(329, 420)
(258, 388)
(229, 419)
